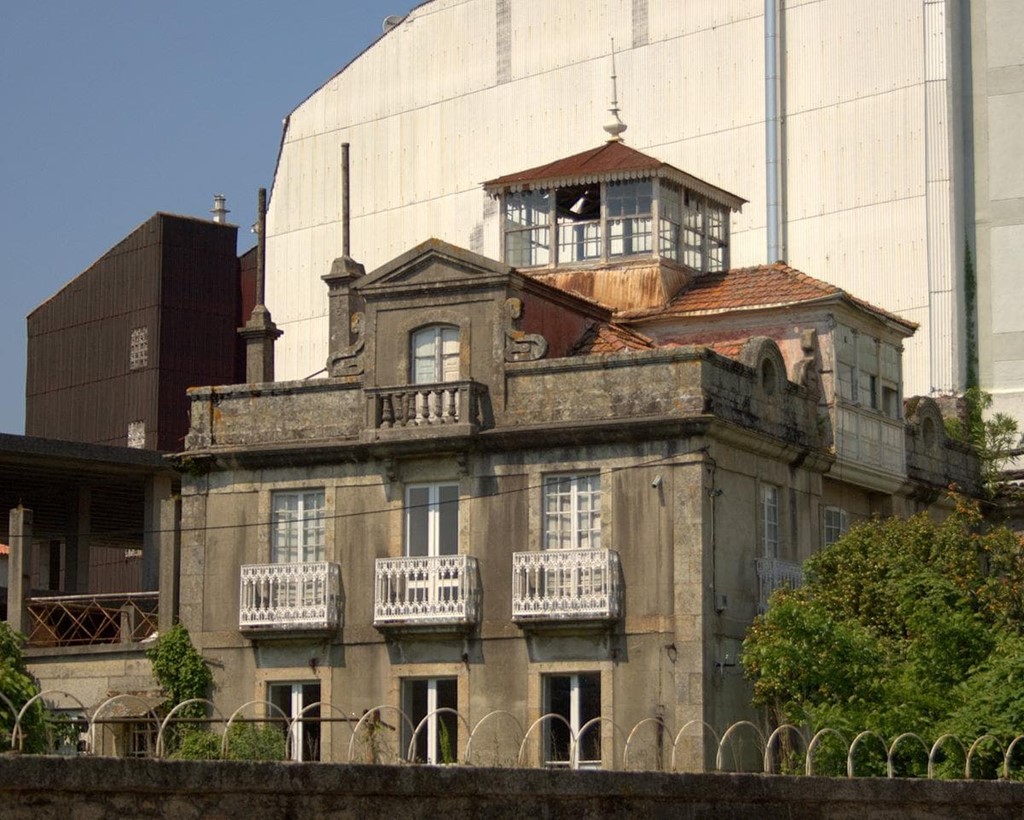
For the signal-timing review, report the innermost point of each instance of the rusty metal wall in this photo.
(175, 276)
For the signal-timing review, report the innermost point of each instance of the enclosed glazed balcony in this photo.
(772, 574)
(297, 597)
(452, 406)
(566, 586)
(428, 592)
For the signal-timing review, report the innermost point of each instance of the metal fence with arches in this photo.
(384, 734)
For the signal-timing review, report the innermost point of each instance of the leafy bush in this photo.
(18, 687)
(904, 625)
(181, 670)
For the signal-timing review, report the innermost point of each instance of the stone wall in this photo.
(53, 787)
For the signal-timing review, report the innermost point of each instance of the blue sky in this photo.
(111, 110)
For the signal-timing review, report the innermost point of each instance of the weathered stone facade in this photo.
(685, 442)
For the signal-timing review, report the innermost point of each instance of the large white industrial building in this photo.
(893, 144)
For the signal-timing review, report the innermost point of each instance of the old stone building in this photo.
(564, 482)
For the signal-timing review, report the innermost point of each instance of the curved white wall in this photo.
(467, 90)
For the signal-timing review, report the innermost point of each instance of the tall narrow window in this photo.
(432, 519)
(438, 739)
(435, 355)
(296, 701)
(835, 524)
(297, 535)
(629, 217)
(577, 699)
(527, 228)
(769, 521)
(579, 223)
(138, 351)
(572, 512)
(670, 220)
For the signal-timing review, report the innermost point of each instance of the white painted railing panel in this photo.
(439, 589)
(296, 596)
(772, 574)
(566, 585)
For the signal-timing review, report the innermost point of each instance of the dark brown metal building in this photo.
(111, 355)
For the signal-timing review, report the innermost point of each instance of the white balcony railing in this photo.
(290, 597)
(566, 585)
(772, 574)
(440, 590)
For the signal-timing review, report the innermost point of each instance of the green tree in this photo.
(17, 687)
(903, 625)
(994, 436)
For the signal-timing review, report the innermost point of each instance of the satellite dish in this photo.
(391, 21)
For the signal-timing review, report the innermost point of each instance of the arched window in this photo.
(435, 354)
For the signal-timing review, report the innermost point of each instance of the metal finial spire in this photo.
(615, 126)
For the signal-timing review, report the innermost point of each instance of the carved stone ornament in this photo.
(349, 361)
(520, 346)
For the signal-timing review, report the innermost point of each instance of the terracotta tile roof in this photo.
(761, 286)
(730, 349)
(606, 337)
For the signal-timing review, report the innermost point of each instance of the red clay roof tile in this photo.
(761, 286)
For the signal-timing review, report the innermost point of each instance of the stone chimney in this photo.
(345, 305)
(260, 332)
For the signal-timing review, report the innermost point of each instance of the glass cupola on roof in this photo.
(612, 203)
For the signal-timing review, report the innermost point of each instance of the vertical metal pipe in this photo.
(771, 127)
(261, 244)
(345, 244)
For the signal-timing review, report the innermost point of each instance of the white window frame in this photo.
(297, 728)
(835, 522)
(571, 511)
(867, 372)
(693, 228)
(527, 228)
(432, 727)
(434, 354)
(771, 522)
(297, 526)
(575, 716)
(435, 502)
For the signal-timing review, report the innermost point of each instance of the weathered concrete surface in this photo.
(88, 788)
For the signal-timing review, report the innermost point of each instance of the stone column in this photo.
(260, 332)
(158, 490)
(170, 561)
(18, 568)
(343, 304)
(76, 542)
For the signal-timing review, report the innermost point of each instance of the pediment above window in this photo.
(434, 263)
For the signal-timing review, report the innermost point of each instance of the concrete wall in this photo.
(42, 788)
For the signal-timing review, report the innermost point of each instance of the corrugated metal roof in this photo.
(761, 286)
(612, 156)
(610, 161)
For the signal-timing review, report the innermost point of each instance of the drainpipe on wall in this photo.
(771, 129)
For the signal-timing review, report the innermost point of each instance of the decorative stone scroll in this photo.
(349, 360)
(520, 346)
